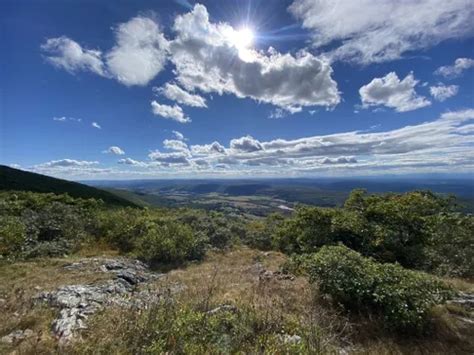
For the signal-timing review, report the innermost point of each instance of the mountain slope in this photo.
(14, 179)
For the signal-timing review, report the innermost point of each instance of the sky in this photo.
(121, 89)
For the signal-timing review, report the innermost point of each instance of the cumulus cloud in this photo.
(170, 159)
(455, 70)
(443, 142)
(96, 125)
(130, 161)
(140, 52)
(114, 150)
(175, 144)
(385, 29)
(175, 93)
(138, 56)
(338, 160)
(174, 112)
(392, 92)
(442, 92)
(64, 163)
(179, 135)
(208, 149)
(245, 144)
(67, 54)
(206, 58)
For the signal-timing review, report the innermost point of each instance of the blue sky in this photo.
(144, 89)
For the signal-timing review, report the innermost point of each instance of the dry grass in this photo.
(284, 306)
(20, 283)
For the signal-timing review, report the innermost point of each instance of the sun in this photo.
(242, 38)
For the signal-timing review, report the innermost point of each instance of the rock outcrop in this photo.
(77, 302)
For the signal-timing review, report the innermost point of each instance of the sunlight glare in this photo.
(242, 38)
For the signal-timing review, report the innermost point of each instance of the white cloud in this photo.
(64, 163)
(64, 119)
(173, 158)
(394, 93)
(96, 125)
(440, 145)
(179, 135)
(369, 31)
(140, 52)
(67, 54)
(245, 144)
(175, 144)
(114, 150)
(338, 160)
(442, 92)
(208, 149)
(130, 161)
(174, 112)
(138, 56)
(175, 93)
(446, 141)
(455, 70)
(206, 58)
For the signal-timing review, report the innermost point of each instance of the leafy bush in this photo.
(38, 224)
(219, 229)
(403, 297)
(12, 236)
(450, 251)
(306, 231)
(170, 242)
(260, 233)
(417, 230)
(122, 228)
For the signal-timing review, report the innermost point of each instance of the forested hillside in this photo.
(15, 179)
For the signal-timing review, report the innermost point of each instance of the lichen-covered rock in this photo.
(16, 336)
(77, 302)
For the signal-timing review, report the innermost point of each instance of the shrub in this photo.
(450, 251)
(260, 233)
(306, 231)
(12, 236)
(123, 227)
(169, 242)
(219, 229)
(403, 297)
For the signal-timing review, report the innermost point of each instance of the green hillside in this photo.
(14, 179)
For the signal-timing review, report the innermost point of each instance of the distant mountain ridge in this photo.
(19, 180)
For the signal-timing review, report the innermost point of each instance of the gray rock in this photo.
(77, 302)
(223, 308)
(290, 339)
(16, 336)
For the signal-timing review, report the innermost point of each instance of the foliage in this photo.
(259, 233)
(183, 329)
(45, 224)
(413, 229)
(450, 249)
(403, 297)
(19, 180)
(168, 242)
(306, 231)
(12, 236)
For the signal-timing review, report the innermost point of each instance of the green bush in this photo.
(450, 251)
(169, 242)
(403, 297)
(306, 231)
(12, 236)
(260, 233)
(122, 228)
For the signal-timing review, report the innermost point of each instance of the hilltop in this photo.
(18, 180)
